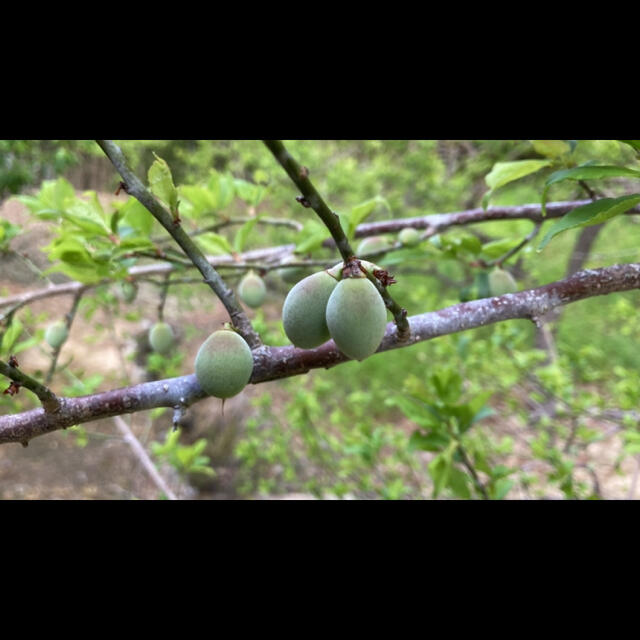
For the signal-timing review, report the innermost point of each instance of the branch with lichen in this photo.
(134, 187)
(273, 363)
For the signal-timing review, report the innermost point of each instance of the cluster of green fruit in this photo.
(347, 309)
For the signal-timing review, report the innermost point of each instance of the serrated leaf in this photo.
(161, 184)
(214, 244)
(243, 233)
(505, 172)
(590, 214)
(586, 172)
(551, 148)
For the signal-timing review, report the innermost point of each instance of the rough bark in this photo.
(272, 363)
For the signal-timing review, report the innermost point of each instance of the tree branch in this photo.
(67, 323)
(135, 188)
(273, 363)
(49, 400)
(311, 198)
(438, 222)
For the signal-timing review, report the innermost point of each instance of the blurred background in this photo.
(548, 416)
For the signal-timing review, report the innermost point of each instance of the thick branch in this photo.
(272, 363)
(212, 278)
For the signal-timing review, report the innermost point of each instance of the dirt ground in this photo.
(54, 467)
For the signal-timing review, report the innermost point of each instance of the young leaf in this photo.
(430, 442)
(590, 214)
(10, 336)
(243, 233)
(505, 172)
(634, 144)
(586, 172)
(161, 184)
(203, 200)
(459, 483)
(551, 148)
(361, 211)
(214, 243)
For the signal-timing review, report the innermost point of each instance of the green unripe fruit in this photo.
(161, 337)
(373, 244)
(224, 364)
(56, 334)
(356, 317)
(501, 282)
(409, 237)
(304, 310)
(129, 291)
(252, 290)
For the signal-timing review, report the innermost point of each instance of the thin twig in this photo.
(311, 198)
(50, 402)
(130, 438)
(471, 469)
(67, 323)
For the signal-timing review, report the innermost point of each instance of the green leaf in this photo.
(11, 335)
(161, 184)
(634, 144)
(586, 172)
(505, 172)
(136, 216)
(551, 148)
(417, 411)
(311, 237)
(88, 216)
(243, 233)
(429, 442)
(440, 468)
(590, 214)
(361, 211)
(497, 248)
(203, 200)
(223, 187)
(213, 243)
(459, 483)
(502, 488)
(252, 194)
